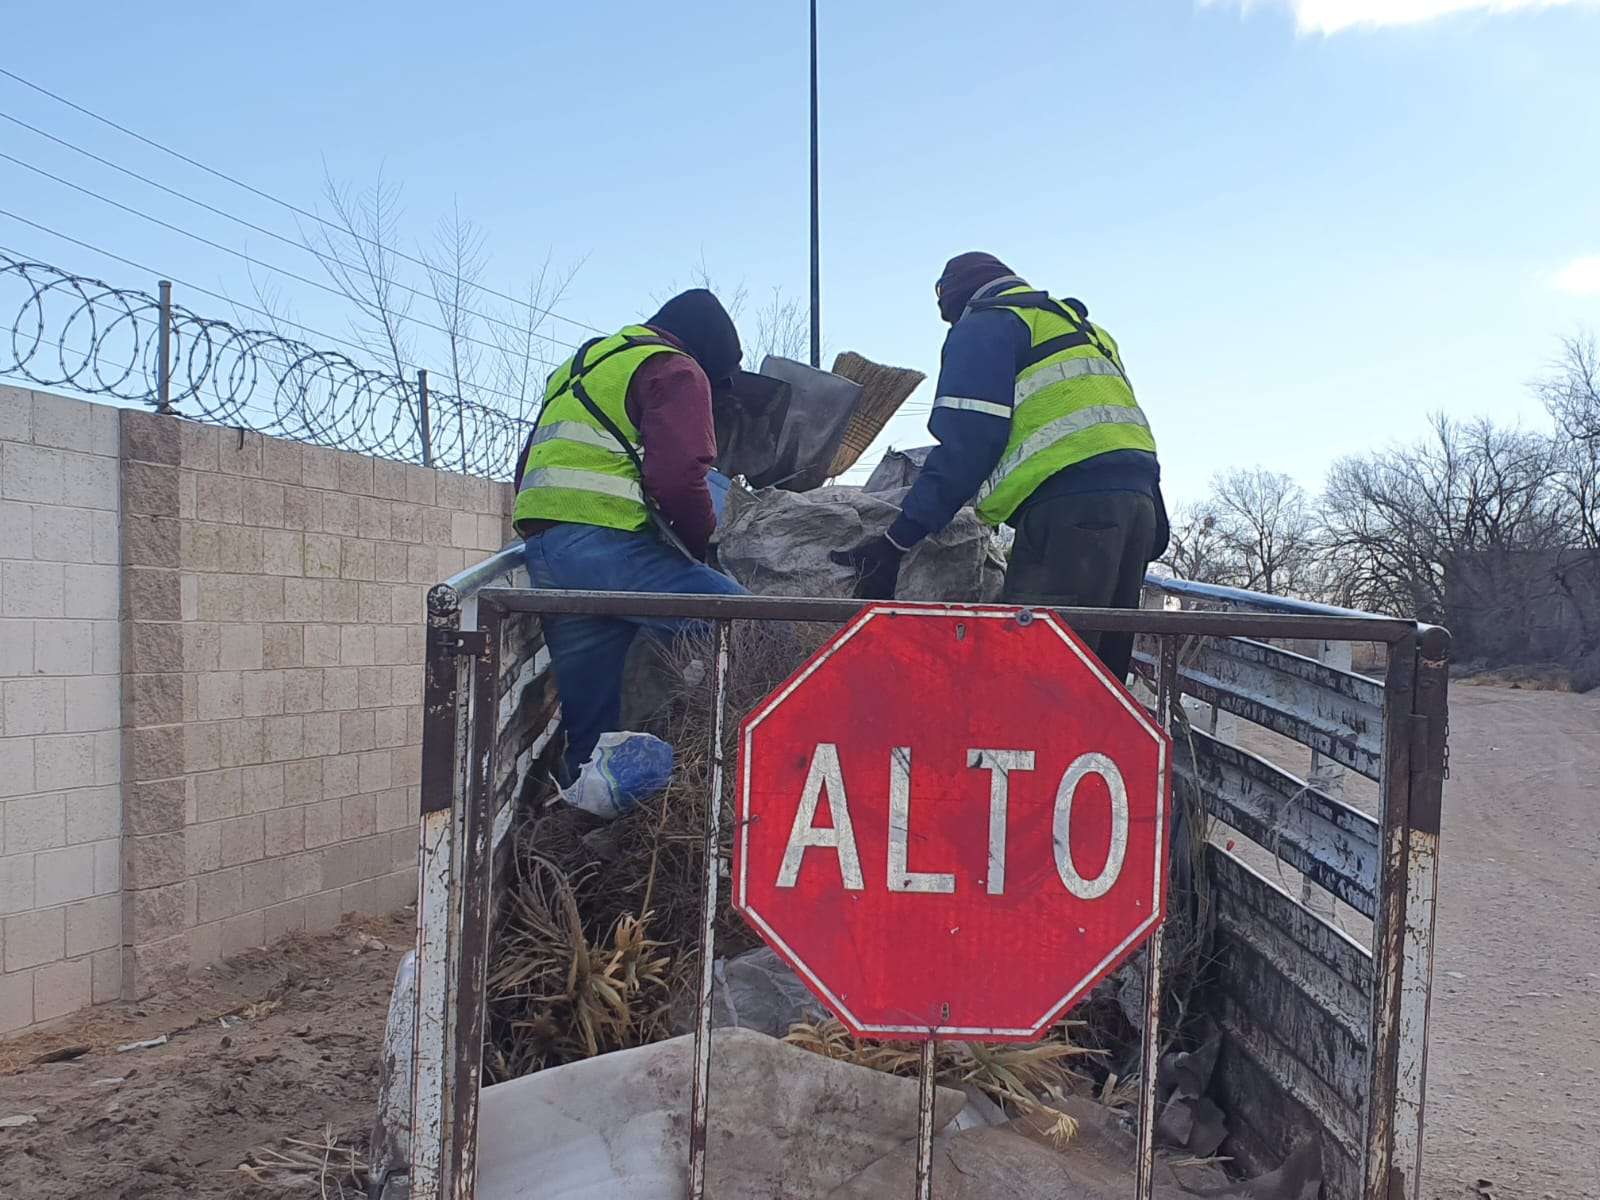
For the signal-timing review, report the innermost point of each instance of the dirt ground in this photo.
(283, 1044)
(278, 1044)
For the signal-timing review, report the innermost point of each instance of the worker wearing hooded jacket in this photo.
(584, 502)
(1037, 422)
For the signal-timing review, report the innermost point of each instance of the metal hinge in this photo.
(459, 643)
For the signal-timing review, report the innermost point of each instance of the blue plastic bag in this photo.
(624, 769)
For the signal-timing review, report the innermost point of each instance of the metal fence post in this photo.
(423, 424)
(164, 349)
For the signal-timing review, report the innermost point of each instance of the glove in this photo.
(877, 565)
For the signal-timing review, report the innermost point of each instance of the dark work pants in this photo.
(1086, 550)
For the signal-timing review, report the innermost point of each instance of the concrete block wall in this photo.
(60, 719)
(274, 596)
(210, 690)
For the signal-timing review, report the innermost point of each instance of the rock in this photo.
(783, 1122)
(777, 543)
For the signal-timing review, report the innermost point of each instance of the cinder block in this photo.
(302, 509)
(355, 475)
(341, 514)
(239, 453)
(341, 865)
(32, 589)
(244, 743)
(341, 600)
(323, 823)
(263, 884)
(63, 534)
(357, 731)
(92, 481)
(493, 533)
(154, 806)
(340, 776)
(152, 542)
(375, 687)
(94, 703)
(34, 706)
(322, 737)
(389, 645)
(263, 503)
(422, 565)
(221, 696)
(302, 689)
(405, 525)
(411, 604)
(155, 753)
(281, 460)
(302, 600)
(74, 425)
(241, 647)
(198, 445)
(107, 639)
(219, 895)
(284, 831)
(105, 544)
(16, 766)
(37, 822)
(283, 646)
(17, 649)
(152, 914)
(283, 551)
(16, 991)
(202, 747)
(149, 699)
(203, 843)
(285, 739)
(245, 932)
(403, 847)
(149, 490)
(356, 644)
(283, 919)
(16, 414)
(390, 728)
(339, 688)
(302, 874)
(357, 559)
(155, 646)
(263, 693)
(389, 480)
(105, 971)
(320, 467)
(437, 527)
(205, 945)
(50, 647)
(150, 967)
(302, 781)
(33, 473)
(219, 795)
(376, 769)
(360, 898)
(147, 437)
(219, 499)
(395, 810)
(61, 988)
(107, 867)
(153, 860)
(360, 817)
(93, 815)
(464, 530)
(66, 761)
(16, 529)
(64, 875)
(151, 594)
(263, 788)
(242, 840)
(373, 516)
(34, 937)
(240, 550)
(396, 890)
(420, 485)
(16, 881)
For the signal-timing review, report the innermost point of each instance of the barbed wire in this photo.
(92, 337)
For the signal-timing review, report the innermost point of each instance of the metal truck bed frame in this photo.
(1324, 1036)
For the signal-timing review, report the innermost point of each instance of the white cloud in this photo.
(1335, 16)
(1580, 277)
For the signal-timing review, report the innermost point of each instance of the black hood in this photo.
(698, 320)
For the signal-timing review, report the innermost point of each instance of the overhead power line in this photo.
(271, 233)
(321, 334)
(278, 200)
(265, 266)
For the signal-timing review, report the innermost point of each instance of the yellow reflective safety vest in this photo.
(578, 466)
(1072, 401)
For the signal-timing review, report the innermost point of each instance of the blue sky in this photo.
(1308, 222)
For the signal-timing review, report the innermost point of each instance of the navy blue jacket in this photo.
(982, 354)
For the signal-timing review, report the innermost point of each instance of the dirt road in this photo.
(1514, 1061)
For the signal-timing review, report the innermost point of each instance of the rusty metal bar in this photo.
(1108, 620)
(1144, 1183)
(1388, 936)
(700, 1100)
(927, 1090)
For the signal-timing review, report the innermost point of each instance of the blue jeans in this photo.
(588, 653)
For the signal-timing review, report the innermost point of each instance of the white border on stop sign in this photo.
(981, 613)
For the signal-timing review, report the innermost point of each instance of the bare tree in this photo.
(1197, 552)
(1267, 528)
(782, 326)
(1571, 395)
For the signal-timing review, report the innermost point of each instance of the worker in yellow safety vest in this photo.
(612, 493)
(1037, 423)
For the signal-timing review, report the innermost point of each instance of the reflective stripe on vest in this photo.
(1071, 401)
(576, 469)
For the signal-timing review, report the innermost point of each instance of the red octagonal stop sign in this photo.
(952, 822)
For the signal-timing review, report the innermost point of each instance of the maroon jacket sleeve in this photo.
(669, 403)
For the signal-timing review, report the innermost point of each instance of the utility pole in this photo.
(816, 266)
